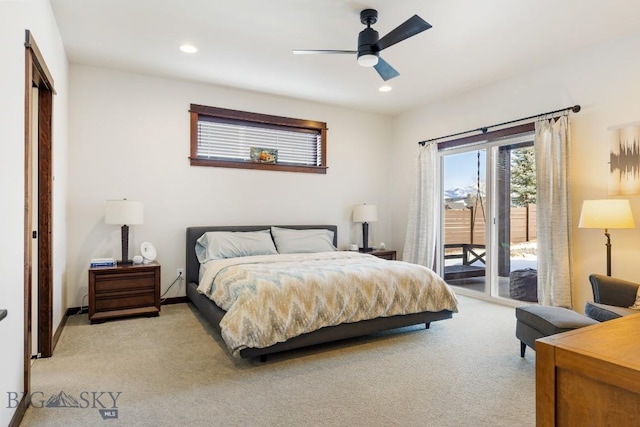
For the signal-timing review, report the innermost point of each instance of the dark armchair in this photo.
(611, 298)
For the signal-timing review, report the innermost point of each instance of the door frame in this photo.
(37, 75)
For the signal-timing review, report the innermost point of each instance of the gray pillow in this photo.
(230, 244)
(290, 241)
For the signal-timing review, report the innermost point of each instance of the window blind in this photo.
(223, 140)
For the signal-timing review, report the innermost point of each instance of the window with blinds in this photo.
(230, 138)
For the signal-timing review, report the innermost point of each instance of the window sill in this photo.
(261, 166)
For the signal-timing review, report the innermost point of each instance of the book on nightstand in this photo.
(102, 262)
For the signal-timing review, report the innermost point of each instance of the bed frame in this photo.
(213, 314)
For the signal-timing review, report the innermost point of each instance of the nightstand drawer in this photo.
(124, 282)
(124, 300)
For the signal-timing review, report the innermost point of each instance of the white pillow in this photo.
(290, 241)
(230, 244)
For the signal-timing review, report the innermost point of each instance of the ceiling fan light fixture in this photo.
(367, 60)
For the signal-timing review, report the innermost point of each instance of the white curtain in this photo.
(424, 213)
(554, 212)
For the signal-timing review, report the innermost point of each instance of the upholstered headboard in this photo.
(192, 265)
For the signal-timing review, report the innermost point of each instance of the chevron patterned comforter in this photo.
(271, 298)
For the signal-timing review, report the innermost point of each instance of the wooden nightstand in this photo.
(390, 255)
(124, 291)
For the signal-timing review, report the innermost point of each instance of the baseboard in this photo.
(175, 300)
(61, 325)
(20, 411)
(72, 311)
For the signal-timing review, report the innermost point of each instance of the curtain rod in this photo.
(575, 109)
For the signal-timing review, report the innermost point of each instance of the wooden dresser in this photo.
(124, 291)
(590, 376)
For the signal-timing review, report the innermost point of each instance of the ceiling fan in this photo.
(369, 46)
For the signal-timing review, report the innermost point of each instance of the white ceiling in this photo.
(248, 43)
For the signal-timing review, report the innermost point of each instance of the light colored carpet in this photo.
(173, 370)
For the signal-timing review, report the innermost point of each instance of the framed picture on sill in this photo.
(263, 155)
(624, 159)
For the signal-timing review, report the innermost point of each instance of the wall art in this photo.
(624, 159)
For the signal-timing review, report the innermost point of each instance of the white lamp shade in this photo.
(365, 213)
(607, 213)
(124, 212)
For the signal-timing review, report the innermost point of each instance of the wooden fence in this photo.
(457, 226)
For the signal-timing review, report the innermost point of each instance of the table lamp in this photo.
(124, 212)
(365, 214)
(606, 213)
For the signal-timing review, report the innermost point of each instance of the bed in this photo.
(214, 314)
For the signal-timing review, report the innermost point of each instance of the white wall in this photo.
(604, 81)
(129, 137)
(15, 17)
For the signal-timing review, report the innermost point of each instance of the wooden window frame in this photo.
(261, 119)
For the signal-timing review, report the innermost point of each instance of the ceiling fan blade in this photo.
(408, 28)
(386, 71)
(322, 52)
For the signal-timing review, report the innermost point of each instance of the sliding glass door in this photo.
(464, 219)
(488, 224)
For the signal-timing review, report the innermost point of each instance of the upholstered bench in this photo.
(539, 321)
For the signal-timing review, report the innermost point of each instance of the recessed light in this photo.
(187, 48)
(385, 88)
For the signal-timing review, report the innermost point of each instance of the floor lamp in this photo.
(607, 213)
